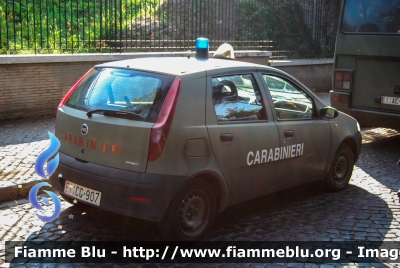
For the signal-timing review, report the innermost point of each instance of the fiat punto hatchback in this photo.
(174, 140)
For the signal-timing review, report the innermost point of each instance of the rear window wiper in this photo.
(123, 114)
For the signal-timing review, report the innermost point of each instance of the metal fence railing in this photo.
(288, 28)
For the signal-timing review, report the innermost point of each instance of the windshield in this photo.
(371, 16)
(122, 90)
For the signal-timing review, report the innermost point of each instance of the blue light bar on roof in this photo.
(202, 45)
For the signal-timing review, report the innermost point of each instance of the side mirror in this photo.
(329, 112)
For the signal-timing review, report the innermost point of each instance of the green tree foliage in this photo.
(57, 26)
(289, 28)
(283, 23)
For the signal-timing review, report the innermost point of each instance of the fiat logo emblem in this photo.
(84, 129)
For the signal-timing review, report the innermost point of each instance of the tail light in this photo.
(66, 97)
(344, 98)
(343, 80)
(140, 199)
(336, 98)
(160, 130)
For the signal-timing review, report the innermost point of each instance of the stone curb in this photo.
(85, 57)
(10, 191)
(279, 63)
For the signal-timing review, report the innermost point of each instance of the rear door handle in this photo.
(226, 137)
(289, 133)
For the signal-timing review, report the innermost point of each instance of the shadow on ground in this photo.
(25, 130)
(304, 213)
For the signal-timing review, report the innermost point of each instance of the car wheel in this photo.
(190, 213)
(341, 168)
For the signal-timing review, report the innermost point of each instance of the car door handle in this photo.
(289, 133)
(226, 137)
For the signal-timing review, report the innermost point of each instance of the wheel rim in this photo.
(340, 168)
(194, 213)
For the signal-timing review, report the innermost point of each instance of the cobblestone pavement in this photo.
(367, 210)
(21, 141)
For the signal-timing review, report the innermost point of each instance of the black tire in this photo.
(341, 168)
(191, 212)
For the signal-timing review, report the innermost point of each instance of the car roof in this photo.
(177, 65)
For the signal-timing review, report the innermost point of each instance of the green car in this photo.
(174, 140)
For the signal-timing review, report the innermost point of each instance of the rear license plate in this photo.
(82, 193)
(390, 100)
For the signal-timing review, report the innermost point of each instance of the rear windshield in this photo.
(122, 90)
(371, 16)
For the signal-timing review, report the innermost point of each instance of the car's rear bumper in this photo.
(375, 118)
(118, 186)
(369, 117)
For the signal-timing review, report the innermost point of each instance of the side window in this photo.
(237, 98)
(290, 102)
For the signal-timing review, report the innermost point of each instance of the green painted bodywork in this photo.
(114, 142)
(374, 60)
(194, 147)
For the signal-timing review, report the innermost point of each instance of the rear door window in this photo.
(237, 98)
(371, 16)
(122, 90)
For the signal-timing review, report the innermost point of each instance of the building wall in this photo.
(34, 86)
(36, 89)
(317, 77)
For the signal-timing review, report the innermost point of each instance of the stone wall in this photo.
(34, 85)
(32, 89)
(315, 74)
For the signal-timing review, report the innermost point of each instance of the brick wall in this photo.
(34, 85)
(36, 89)
(318, 78)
